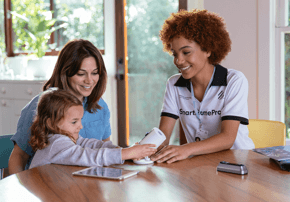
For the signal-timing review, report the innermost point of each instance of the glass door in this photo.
(287, 83)
(146, 68)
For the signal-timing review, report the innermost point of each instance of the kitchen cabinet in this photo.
(14, 95)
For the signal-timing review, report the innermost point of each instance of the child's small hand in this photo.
(138, 151)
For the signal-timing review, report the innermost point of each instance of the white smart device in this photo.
(106, 173)
(157, 137)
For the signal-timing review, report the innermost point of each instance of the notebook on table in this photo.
(280, 154)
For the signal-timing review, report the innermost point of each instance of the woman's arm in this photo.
(108, 139)
(166, 125)
(219, 142)
(17, 161)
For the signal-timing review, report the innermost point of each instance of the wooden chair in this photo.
(265, 133)
(6, 147)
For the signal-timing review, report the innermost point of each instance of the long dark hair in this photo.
(51, 108)
(68, 64)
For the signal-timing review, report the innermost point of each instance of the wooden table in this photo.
(194, 179)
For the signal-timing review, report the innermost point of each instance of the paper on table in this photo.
(278, 153)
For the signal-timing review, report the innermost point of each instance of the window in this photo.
(284, 33)
(282, 61)
(36, 25)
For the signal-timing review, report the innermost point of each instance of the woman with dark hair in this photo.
(80, 70)
(209, 100)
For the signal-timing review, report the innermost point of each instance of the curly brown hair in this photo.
(207, 29)
(51, 108)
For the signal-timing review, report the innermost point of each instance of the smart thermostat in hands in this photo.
(156, 137)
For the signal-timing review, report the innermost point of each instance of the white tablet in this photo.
(106, 172)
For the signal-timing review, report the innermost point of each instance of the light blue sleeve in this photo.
(23, 132)
(107, 124)
(97, 124)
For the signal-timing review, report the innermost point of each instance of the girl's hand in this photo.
(138, 151)
(171, 154)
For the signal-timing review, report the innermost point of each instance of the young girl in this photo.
(55, 136)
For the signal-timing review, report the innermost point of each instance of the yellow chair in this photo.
(266, 133)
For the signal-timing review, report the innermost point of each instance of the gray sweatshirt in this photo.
(86, 152)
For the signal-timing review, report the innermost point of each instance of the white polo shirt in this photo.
(226, 99)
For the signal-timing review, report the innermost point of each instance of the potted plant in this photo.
(33, 27)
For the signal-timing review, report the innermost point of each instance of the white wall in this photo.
(241, 21)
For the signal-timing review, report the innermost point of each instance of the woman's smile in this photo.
(86, 79)
(86, 87)
(184, 68)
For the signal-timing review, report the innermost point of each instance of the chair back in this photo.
(265, 133)
(6, 147)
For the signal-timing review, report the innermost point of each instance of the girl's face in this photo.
(85, 80)
(72, 121)
(188, 57)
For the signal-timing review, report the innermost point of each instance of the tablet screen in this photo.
(105, 172)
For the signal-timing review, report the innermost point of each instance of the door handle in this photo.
(120, 69)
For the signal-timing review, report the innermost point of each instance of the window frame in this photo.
(280, 18)
(8, 31)
(282, 27)
(271, 63)
(280, 72)
(267, 67)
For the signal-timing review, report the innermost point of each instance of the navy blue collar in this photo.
(219, 78)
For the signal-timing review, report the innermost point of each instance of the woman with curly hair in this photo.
(209, 100)
(55, 136)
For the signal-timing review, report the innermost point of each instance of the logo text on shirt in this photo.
(204, 113)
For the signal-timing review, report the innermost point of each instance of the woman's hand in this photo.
(138, 151)
(171, 154)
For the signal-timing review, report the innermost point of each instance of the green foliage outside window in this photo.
(32, 25)
(148, 66)
(287, 84)
(84, 18)
(144, 22)
(287, 79)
